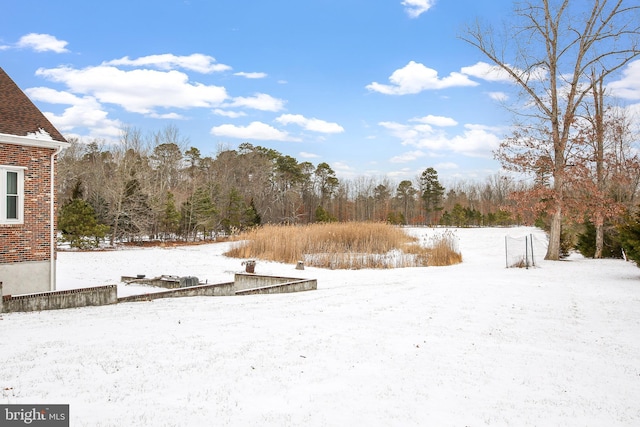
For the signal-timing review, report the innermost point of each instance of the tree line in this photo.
(576, 147)
(160, 187)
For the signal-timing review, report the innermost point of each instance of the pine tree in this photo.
(630, 238)
(323, 216)
(78, 224)
(235, 210)
(198, 212)
(170, 219)
(252, 217)
(432, 192)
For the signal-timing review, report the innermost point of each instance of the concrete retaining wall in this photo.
(251, 284)
(243, 284)
(216, 290)
(167, 282)
(101, 295)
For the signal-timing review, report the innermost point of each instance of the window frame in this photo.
(4, 171)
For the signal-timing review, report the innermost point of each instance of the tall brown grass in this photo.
(351, 245)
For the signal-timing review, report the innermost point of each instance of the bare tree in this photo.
(556, 44)
(406, 197)
(128, 158)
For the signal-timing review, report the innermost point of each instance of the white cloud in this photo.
(315, 125)
(84, 112)
(260, 101)
(628, 87)
(436, 120)
(139, 91)
(403, 173)
(251, 75)
(474, 141)
(343, 170)
(488, 72)
(52, 96)
(408, 156)
(447, 166)
(493, 73)
(498, 96)
(306, 155)
(170, 116)
(400, 131)
(633, 112)
(194, 62)
(230, 114)
(415, 8)
(415, 77)
(253, 131)
(42, 43)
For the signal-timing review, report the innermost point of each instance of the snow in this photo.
(40, 134)
(472, 344)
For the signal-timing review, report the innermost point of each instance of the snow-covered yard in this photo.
(467, 345)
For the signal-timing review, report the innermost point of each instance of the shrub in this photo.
(587, 242)
(630, 237)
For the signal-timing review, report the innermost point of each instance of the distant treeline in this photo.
(161, 188)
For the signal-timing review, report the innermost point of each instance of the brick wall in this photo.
(29, 241)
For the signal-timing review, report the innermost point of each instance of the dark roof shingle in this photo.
(18, 115)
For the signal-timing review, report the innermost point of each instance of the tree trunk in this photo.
(599, 240)
(553, 251)
(599, 223)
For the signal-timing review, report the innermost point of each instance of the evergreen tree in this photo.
(235, 211)
(432, 192)
(458, 216)
(396, 218)
(198, 211)
(630, 237)
(323, 216)
(78, 223)
(252, 216)
(170, 218)
(587, 242)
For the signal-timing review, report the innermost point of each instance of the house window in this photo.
(11, 195)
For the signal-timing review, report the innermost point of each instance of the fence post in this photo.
(506, 252)
(533, 261)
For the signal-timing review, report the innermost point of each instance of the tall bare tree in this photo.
(549, 53)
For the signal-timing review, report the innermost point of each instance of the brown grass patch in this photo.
(443, 249)
(351, 245)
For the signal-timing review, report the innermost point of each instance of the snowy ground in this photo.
(468, 345)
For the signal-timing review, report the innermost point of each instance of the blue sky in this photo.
(380, 88)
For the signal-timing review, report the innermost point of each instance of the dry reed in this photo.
(351, 245)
